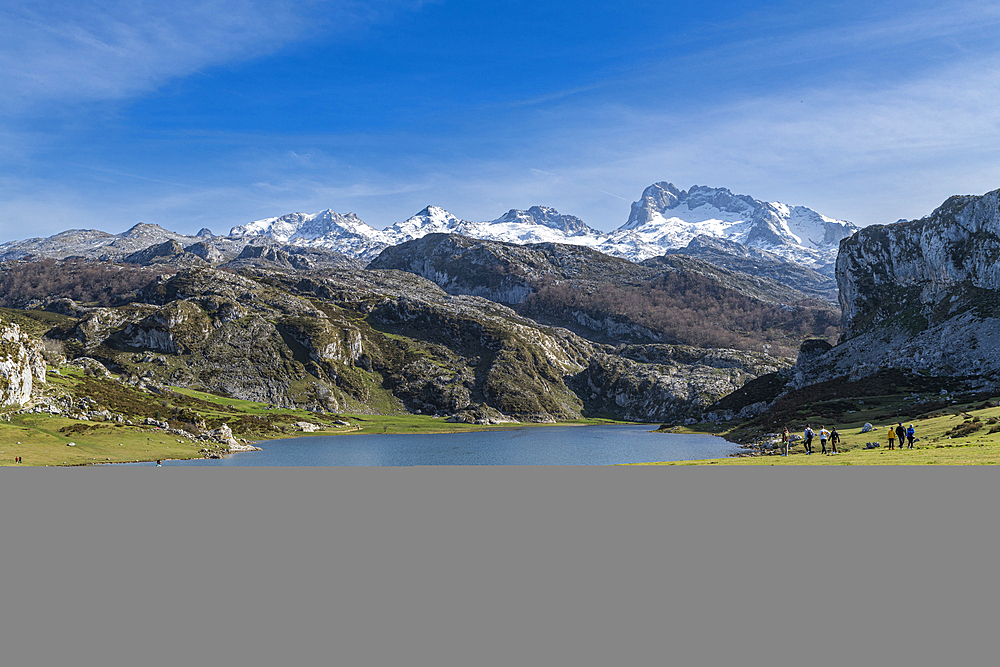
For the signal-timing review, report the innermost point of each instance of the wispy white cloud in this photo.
(84, 50)
(870, 150)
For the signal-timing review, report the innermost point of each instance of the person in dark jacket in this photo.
(900, 434)
(834, 439)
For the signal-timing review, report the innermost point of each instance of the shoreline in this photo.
(254, 445)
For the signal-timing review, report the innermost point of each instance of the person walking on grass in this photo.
(910, 432)
(824, 435)
(784, 441)
(900, 434)
(834, 439)
(892, 437)
(809, 439)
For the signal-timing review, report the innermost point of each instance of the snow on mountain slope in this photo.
(92, 243)
(348, 234)
(343, 233)
(666, 218)
(538, 224)
(431, 220)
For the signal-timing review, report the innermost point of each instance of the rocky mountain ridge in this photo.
(664, 220)
(383, 341)
(667, 218)
(921, 296)
(611, 299)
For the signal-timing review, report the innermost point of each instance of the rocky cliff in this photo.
(921, 296)
(613, 300)
(499, 271)
(21, 365)
(385, 341)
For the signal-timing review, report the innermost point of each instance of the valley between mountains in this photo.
(704, 310)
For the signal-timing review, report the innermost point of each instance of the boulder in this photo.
(224, 435)
(307, 427)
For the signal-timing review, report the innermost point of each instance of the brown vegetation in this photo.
(100, 283)
(691, 309)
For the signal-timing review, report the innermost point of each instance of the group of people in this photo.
(897, 432)
(824, 436)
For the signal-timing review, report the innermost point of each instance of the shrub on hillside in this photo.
(100, 283)
(693, 310)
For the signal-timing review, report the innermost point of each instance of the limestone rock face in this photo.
(670, 382)
(223, 435)
(502, 272)
(925, 270)
(921, 296)
(21, 365)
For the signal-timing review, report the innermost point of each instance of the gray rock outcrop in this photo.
(21, 365)
(921, 296)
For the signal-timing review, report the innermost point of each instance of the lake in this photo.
(530, 446)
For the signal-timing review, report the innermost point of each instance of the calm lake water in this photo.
(538, 445)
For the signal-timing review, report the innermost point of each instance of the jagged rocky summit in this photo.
(920, 296)
(667, 218)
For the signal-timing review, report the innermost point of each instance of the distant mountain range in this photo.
(663, 220)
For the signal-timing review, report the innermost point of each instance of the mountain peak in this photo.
(144, 228)
(546, 216)
(667, 218)
(344, 233)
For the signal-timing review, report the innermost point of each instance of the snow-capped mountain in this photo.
(540, 224)
(666, 218)
(344, 233)
(431, 220)
(663, 220)
(349, 235)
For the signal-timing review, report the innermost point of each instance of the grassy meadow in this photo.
(953, 434)
(44, 439)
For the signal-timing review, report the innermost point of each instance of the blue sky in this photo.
(214, 114)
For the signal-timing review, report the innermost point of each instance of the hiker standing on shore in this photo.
(834, 439)
(784, 440)
(910, 432)
(809, 439)
(824, 435)
(892, 436)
